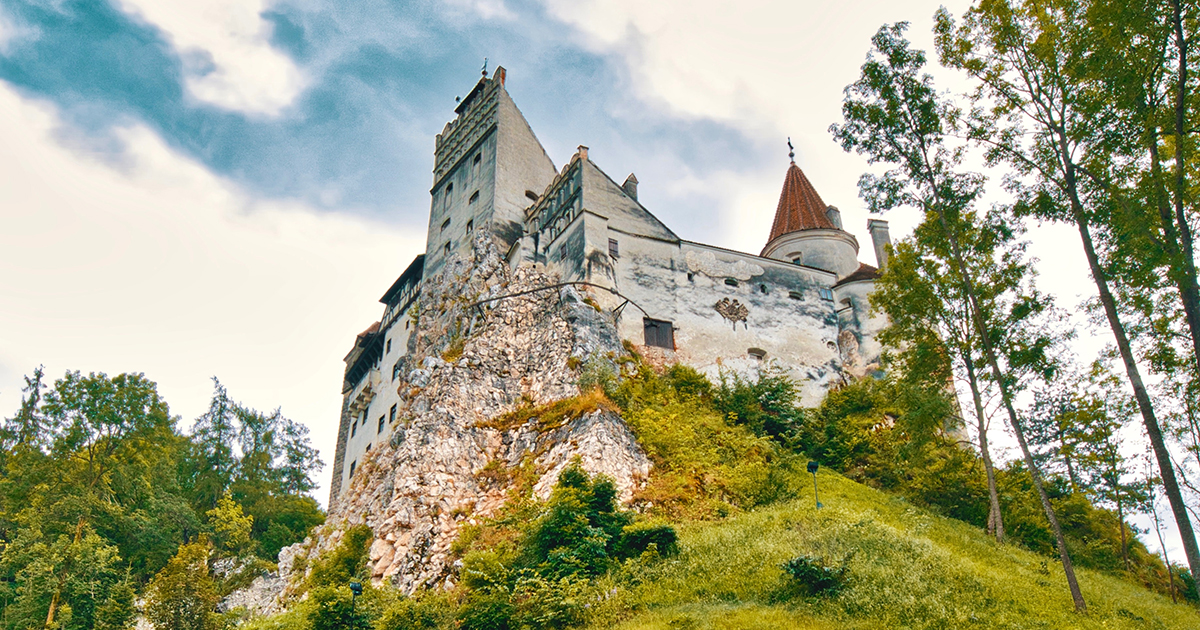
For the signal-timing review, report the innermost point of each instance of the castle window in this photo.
(474, 198)
(757, 353)
(691, 276)
(762, 288)
(613, 251)
(388, 347)
(660, 334)
(532, 196)
(795, 295)
(826, 294)
(446, 249)
(392, 415)
(449, 195)
(445, 224)
(731, 282)
(562, 253)
(368, 449)
(396, 368)
(797, 258)
(475, 165)
(353, 465)
(470, 226)
(354, 427)
(380, 429)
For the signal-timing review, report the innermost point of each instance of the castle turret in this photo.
(488, 165)
(809, 232)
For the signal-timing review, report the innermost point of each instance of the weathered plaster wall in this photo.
(858, 341)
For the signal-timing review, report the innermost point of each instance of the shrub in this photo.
(766, 405)
(346, 562)
(813, 576)
(637, 538)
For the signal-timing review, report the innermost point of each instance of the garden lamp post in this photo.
(355, 591)
(812, 468)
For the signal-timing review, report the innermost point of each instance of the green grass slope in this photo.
(908, 568)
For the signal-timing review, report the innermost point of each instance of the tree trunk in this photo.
(1185, 276)
(62, 577)
(989, 353)
(1161, 454)
(995, 524)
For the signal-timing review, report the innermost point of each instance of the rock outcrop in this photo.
(492, 340)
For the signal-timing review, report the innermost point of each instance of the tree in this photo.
(893, 116)
(182, 596)
(230, 526)
(1034, 114)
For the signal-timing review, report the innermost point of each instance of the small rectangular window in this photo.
(445, 224)
(352, 467)
(368, 448)
(474, 198)
(381, 419)
(470, 226)
(396, 371)
(795, 295)
(354, 427)
(613, 252)
(388, 347)
(731, 282)
(659, 333)
(446, 249)
(826, 294)
(392, 415)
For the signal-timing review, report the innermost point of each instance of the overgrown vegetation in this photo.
(102, 497)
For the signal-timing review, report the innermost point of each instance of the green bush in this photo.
(347, 562)
(637, 538)
(813, 576)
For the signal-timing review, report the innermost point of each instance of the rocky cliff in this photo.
(492, 340)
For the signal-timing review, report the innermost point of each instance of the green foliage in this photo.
(347, 562)
(545, 579)
(766, 405)
(99, 490)
(182, 596)
(229, 526)
(334, 607)
(813, 576)
(704, 465)
(641, 536)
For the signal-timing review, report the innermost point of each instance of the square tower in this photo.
(488, 168)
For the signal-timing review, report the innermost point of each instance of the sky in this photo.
(224, 188)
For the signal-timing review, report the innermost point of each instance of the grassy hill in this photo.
(907, 569)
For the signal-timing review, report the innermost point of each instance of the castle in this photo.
(801, 303)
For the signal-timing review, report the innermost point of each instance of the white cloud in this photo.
(158, 266)
(228, 58)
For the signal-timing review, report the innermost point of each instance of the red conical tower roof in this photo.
(800, 207)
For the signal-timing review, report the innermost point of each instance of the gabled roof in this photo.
(800, 207)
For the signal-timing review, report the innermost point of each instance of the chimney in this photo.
(835, 216)
(630, 186)
(881, 239)
(499, 75)
(582, 151)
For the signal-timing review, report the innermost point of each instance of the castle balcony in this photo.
(365, 391)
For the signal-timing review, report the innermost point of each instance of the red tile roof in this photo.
(800, 207)
(864, 272)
